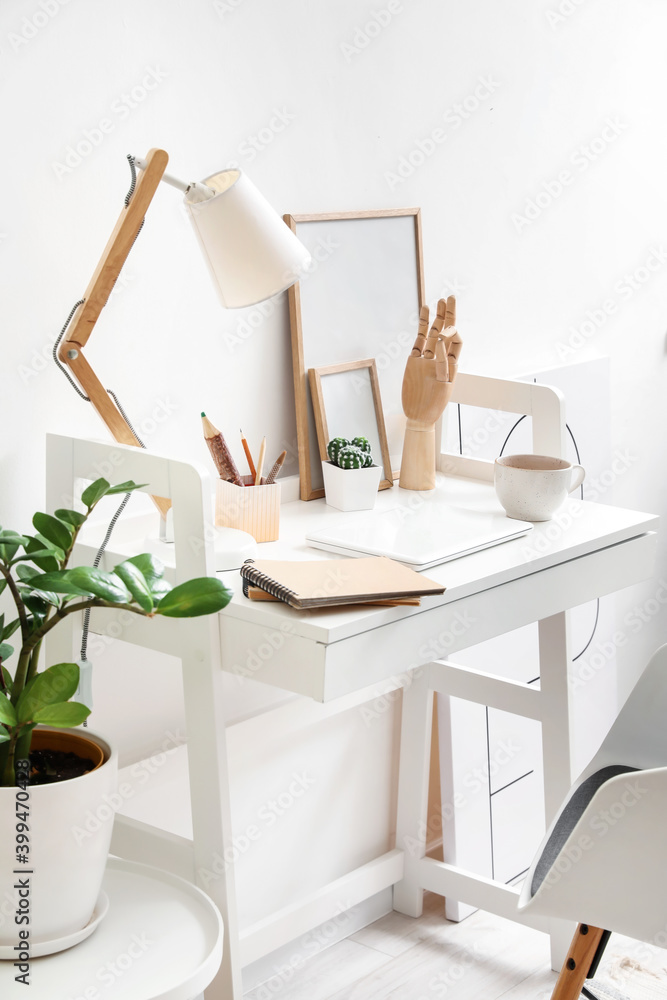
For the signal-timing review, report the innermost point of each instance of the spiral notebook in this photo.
(323, 583)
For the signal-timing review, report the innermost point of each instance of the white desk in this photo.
(588, 551)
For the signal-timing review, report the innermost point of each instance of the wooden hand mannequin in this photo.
(427, 385)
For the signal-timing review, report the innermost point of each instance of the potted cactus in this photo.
(351, 479)
(57, 782)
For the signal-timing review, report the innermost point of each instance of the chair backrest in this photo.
(638, 737)
(133, 673)
(544, 403)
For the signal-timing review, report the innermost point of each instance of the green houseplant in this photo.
(351, 478)
(46, 826)
(34, 570)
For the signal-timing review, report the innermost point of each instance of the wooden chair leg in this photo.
(577, 964)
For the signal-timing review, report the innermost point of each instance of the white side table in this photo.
(160, 940)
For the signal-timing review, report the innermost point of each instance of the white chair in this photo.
(603, 862)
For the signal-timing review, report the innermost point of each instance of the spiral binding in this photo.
(266, 583)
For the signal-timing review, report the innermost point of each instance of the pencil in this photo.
(260, 462)
(220, 453)
(251, 464)
(271, 478)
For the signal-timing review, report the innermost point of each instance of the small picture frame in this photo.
(346, 403)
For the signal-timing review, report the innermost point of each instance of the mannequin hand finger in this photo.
(421, 335)
(454, 344)
(435, 330)
(441, 363)
(450, 312)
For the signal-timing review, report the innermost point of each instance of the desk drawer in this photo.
(322, 671)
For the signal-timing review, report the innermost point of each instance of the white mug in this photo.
(533, 487)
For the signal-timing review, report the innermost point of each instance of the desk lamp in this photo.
(250, 252)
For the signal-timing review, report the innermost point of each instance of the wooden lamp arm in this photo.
(96, 296)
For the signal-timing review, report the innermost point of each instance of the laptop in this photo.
(420, 537)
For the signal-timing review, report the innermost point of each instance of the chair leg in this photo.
(581, 961)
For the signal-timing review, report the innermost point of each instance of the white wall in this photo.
(356, 112)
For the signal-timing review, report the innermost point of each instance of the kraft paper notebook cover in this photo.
(325, 583)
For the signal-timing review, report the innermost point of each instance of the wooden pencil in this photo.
(220, 453)
(260, 462)
(251, 464)
(275, 469)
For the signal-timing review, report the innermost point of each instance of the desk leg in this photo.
(412, 813)
(554, 646)
(209, 790)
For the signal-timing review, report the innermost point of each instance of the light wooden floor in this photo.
(481, 958)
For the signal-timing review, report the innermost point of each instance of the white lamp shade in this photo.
(250, 251)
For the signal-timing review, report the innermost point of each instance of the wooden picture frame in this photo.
(351, 424)
(360, 298)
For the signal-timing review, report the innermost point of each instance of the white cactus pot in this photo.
(70, 832)
(351, 489)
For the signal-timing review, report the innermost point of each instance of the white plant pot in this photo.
(351, 489)
(70, 833)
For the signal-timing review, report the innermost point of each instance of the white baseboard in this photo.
(279, 967)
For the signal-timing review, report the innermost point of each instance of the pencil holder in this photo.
(255, 509)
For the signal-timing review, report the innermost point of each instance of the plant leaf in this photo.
(10, 629)
(7, 712)
(53, 686)
(5, 650)
(34, 603)
(26, 573)
(127, 487)
(71, 517)
(63, 715)
(8, 679)
(53, 530)
(60, 582)
(4, 735)
(9, 544)
(136, 583)
(106, 586)
(95, 492)
(152, 570)
(202, 596)
(42, 557)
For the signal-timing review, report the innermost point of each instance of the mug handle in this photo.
(579, 477)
